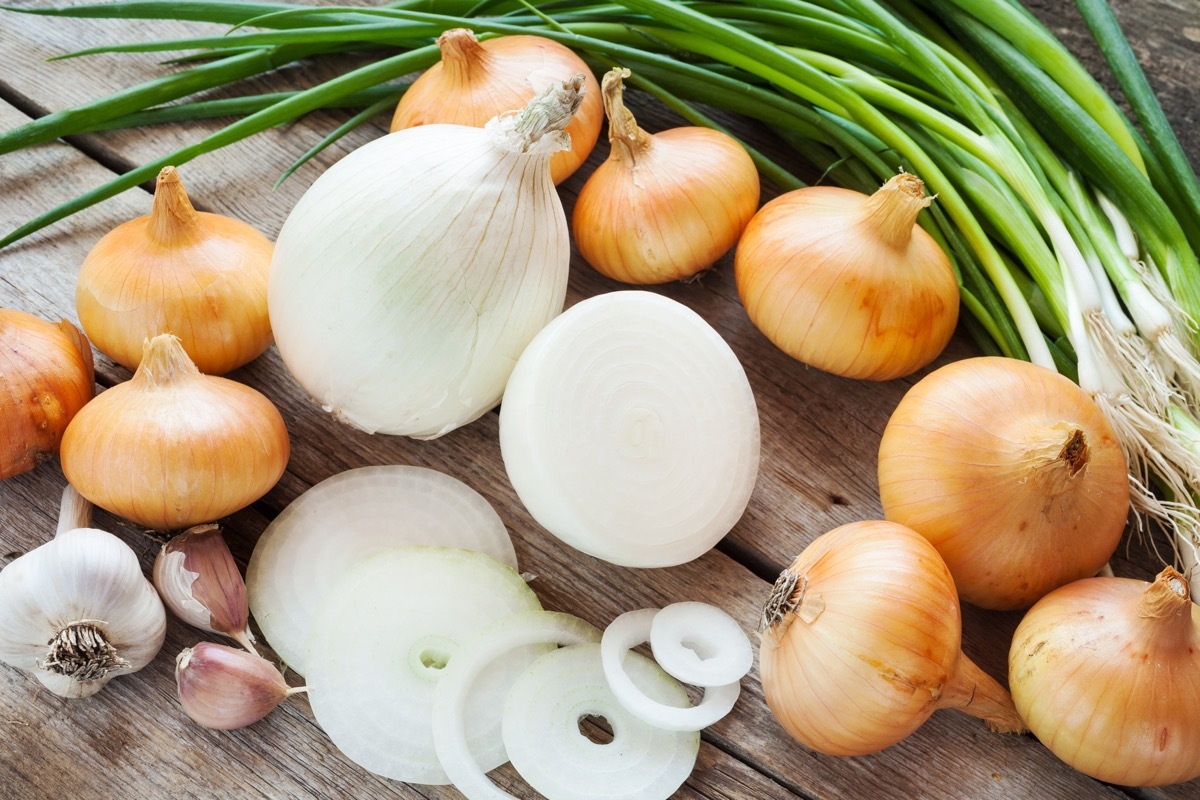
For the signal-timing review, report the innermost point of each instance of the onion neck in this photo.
(892, 211)
(462, 55)
(538, 128)
(1056, 456)
(974, 692)
(164, 363)
(172, 216)
(629, 142)
(1165, 608)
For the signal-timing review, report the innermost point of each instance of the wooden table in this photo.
(820, 436)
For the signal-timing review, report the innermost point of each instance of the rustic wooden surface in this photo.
(820, 436)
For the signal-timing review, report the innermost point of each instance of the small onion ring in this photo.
(631, 629)
(522, 629)
(728, 654)
(542, 736)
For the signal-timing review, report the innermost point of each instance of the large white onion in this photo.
(410, 276)
(629, 430)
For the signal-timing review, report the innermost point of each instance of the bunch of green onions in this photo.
(1074, 234)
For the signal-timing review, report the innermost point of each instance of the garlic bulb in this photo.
(476, 81)
(77, 611)
(45, 378)
(663, 206)
(200, 276)
(412, 274)
(223, 688)
(173, 447)
(198, 580)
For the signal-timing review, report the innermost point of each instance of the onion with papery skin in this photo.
(1012, 472)
(847, 282)
(46, 376)
(1106, 673)
(172, 447)
(663, 206)
(200, 276)
(629, 430)
(412, 274)
(861, 643)
(476, 81)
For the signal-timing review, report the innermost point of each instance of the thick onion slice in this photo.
(456, 697)
(541, 731)
(382, 641)
(631, 629)
(700, 644)
(630, 432)
(347, 517)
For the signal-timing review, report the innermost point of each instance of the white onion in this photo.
(629, 430)
(455, 698)
(347, 517)
(700, 644)
(541, 731)
(409, 277)
(384, 637)
(631, 629)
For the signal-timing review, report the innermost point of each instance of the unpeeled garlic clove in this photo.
(225, 688)
(199, 582)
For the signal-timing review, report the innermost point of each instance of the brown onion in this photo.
(46, 376)
(861, 643)
(476, 81)
(1106, 673)
(1012, 472)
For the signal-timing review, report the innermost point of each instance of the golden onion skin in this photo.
(46, 377)
(847, 283)
(1106, 673)
(1012, 472)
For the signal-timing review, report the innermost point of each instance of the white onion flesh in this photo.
(455, 698)
(347, 517)
(541, 731)
(700, 644)
(411, 274)
(384, 638)
(631, 629)
(630, 432)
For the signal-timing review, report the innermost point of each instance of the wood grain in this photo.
(820, 437)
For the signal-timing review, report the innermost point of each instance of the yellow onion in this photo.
(1012, 472)
(172, 447)
(200, 276)
(861, 641)
(847, 282)
(45, 378)
(1106, 673)
(663, 206)
(476, 81)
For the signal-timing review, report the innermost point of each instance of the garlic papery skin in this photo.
(848, 283)
(663, 206)
(1106, 673)
(476, 81)
(1011, 471)
(77, 612)
(199, 581)
(411, 275)
(861, 641)
(224, 688)
(46, 376)
(200, 276)
(172, 447)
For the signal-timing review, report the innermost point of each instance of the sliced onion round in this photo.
(541, 730)
(456, 698)
(631, 629)
(384, 638)
(700, 644)
(347, 517)
(629, 430)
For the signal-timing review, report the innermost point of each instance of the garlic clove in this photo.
(225, 688)
(198, 580)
